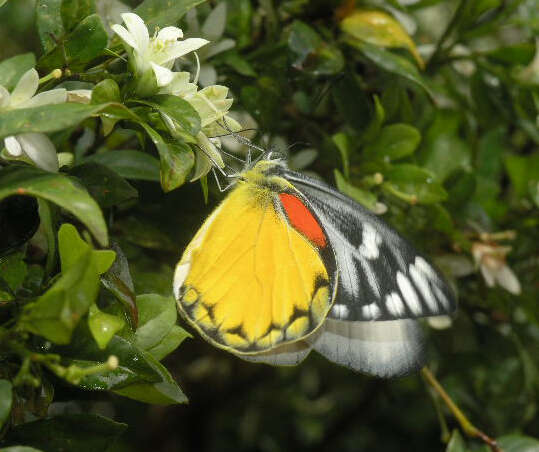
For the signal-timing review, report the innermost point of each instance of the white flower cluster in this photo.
(152, 60)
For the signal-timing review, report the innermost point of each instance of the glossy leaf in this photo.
(103, 326)
(47, 118)
(106, 186)
(57, 312)
(59, 189)
(391, 62)
(165, 392)
(177, 160)
(157, 315)
(106, 91)
(393, 143)
(49, 23)
(80, 432)
(129, 164)
(74, 11)
(170, 342)
(381, 29)
(518, 443)
(413, 184)
(179, 110)
(118, 280)
(86, 42)
(456, 443)
(13, 68)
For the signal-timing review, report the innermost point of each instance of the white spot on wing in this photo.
(371, 311)
(394, 304)
(441, 297)
(341, 311)
(424, 266)
(371, 240)
(409, 294)
(422, 283)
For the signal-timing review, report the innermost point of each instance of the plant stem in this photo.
(466, 425)
(447, 32)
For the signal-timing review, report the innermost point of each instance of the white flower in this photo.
(491, 261)
(157, 53)
(34, 146)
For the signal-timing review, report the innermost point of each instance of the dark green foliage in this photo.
(441, 140)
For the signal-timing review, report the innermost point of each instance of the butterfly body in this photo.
(286, 264)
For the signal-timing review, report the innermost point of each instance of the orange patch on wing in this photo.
(302, 219)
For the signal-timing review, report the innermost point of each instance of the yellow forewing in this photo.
(248, 281)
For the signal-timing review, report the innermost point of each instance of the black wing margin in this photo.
(381, 276)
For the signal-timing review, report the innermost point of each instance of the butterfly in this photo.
(287, 264)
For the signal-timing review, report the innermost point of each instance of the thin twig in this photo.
(466, 425)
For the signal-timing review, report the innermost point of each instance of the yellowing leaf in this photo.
(379, 28)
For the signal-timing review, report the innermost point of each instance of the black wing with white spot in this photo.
(381, 276)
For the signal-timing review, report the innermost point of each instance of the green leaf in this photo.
(177, 160)
(380, 29)
(144, 234)
(12, 69)
(311, 53)
(165, 392)
(129, 164)
(518, 443)
(6, 399)
(85, 43)
(49, 23)
(413, 184)
(157, 315)
(373, 129)
(352, 102)
(522, 170)
(135, 366)
(13, 270)
(56, 313)
(103, 326)
(74, 11)
(169, 343)
(363, 197)
(106, 91)
(46, 118)
(106, 187)
(179, 110)
(456, 443)
(442, 150)
(162, 13)
(391, 62)
(119, 282)
(59, 189)
(343, 144)
(68, 432)
(393, 143)
(48, 227)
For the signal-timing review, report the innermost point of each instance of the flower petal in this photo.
(39, 148)
(179, 49)
(4, 97)
(180, 85)
(207, 75)
(125, 35)
(214, 25)
(13, 147)
(26, 88)
(221, 46)
(508, 280)
(138, 30)
(488, 275)
(170, 34)
(54, 96)
(163, 75)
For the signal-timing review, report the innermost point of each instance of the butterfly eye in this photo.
(275, 155)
